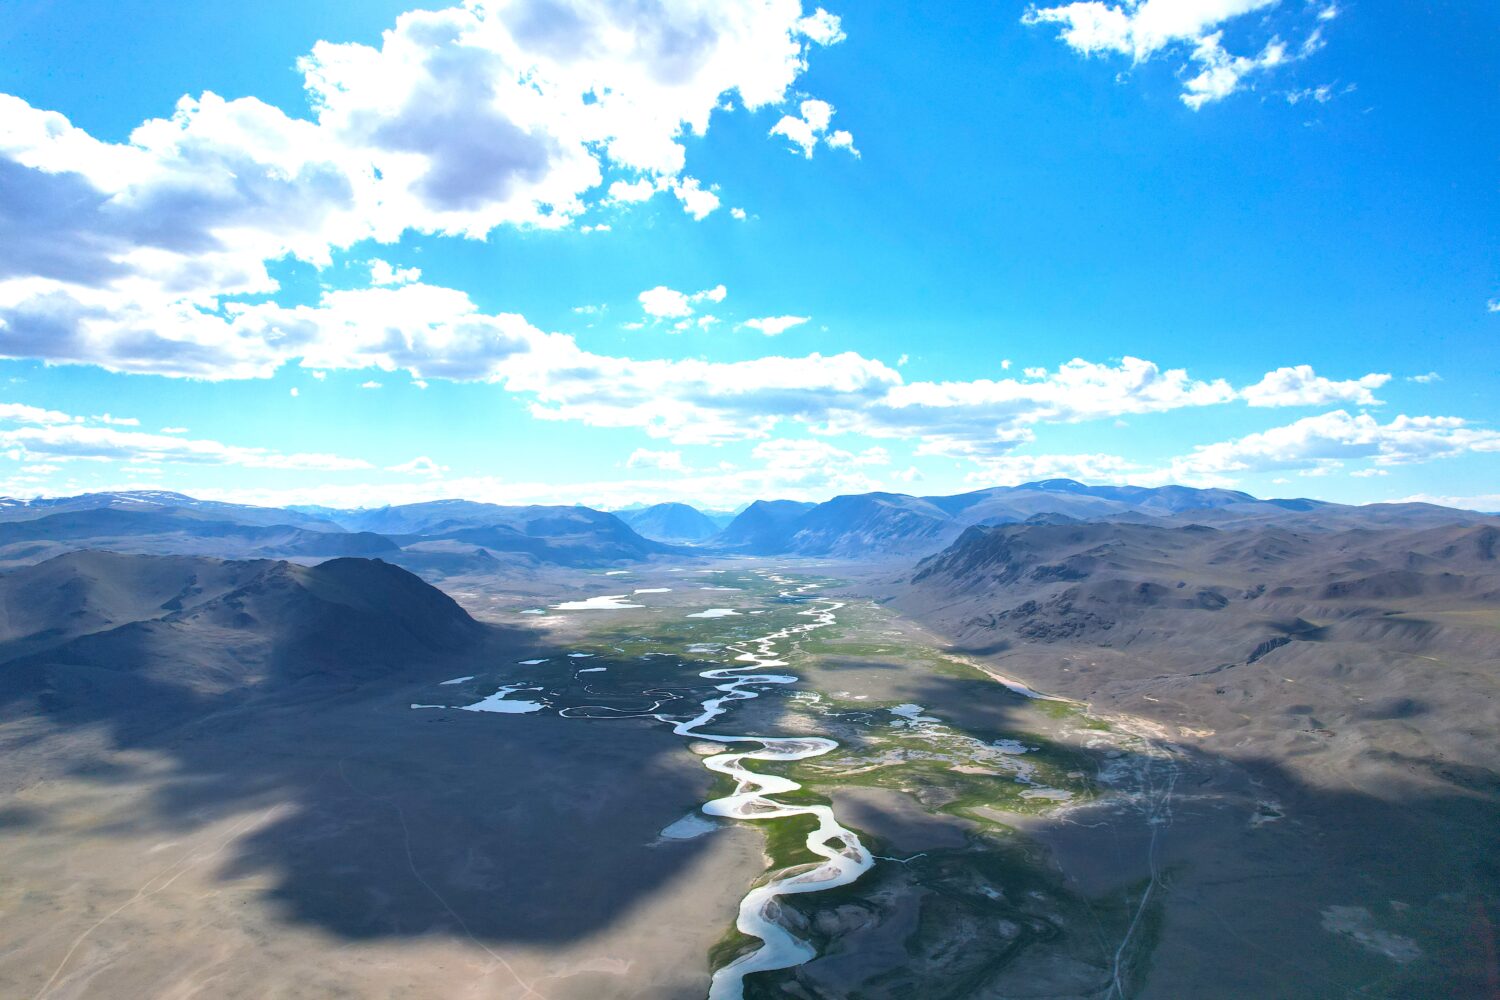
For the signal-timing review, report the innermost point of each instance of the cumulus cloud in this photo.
(664, 302)
(56, 437)
(1142, 29)
(773, 325)
(668, 303)
(1328, 440)
(383, 273)
(79, 442)
(632, 191)
(1299, 385)
(25, 414)
(986, 417)
(697, 201)
(807, 129)
(140, 255)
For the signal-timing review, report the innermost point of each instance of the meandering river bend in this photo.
(844, 857)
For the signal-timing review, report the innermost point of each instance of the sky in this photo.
(571, 251)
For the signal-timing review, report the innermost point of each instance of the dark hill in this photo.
(90, 626)
(670, 522)
(870, 523)
(763, 527)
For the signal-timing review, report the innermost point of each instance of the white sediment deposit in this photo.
(604, 602)
(501, 702)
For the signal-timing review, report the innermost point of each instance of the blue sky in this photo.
(564, 252)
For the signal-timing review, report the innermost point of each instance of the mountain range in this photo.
(894, 524)
(456, 537)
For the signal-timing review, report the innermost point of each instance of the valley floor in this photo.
(348, 842)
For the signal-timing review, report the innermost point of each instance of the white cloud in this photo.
(382, 273)
(174, 430)
(1493, 305)
(841, 139)
(1425, 379)
(667, 303)
(1011, 470)
(802, 453)
(295, 391)
(372, 384)
(632, 191)
(434, 332)
(667, 461)
(821, 27)
(77, 442)
(1139, 28)
(105, 418)
(738, 213)
(131, 255)
(1328, 440)
(1142, 29)
(419, 466)
(697, 201)
(773, 325)
(1321, 94)
(1299, 385)
(664, 302)
(809, 128)
(987, 417)
(1221, 73)
(25, 414)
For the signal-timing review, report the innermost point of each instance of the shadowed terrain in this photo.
(1276, 772)
(246, 727)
